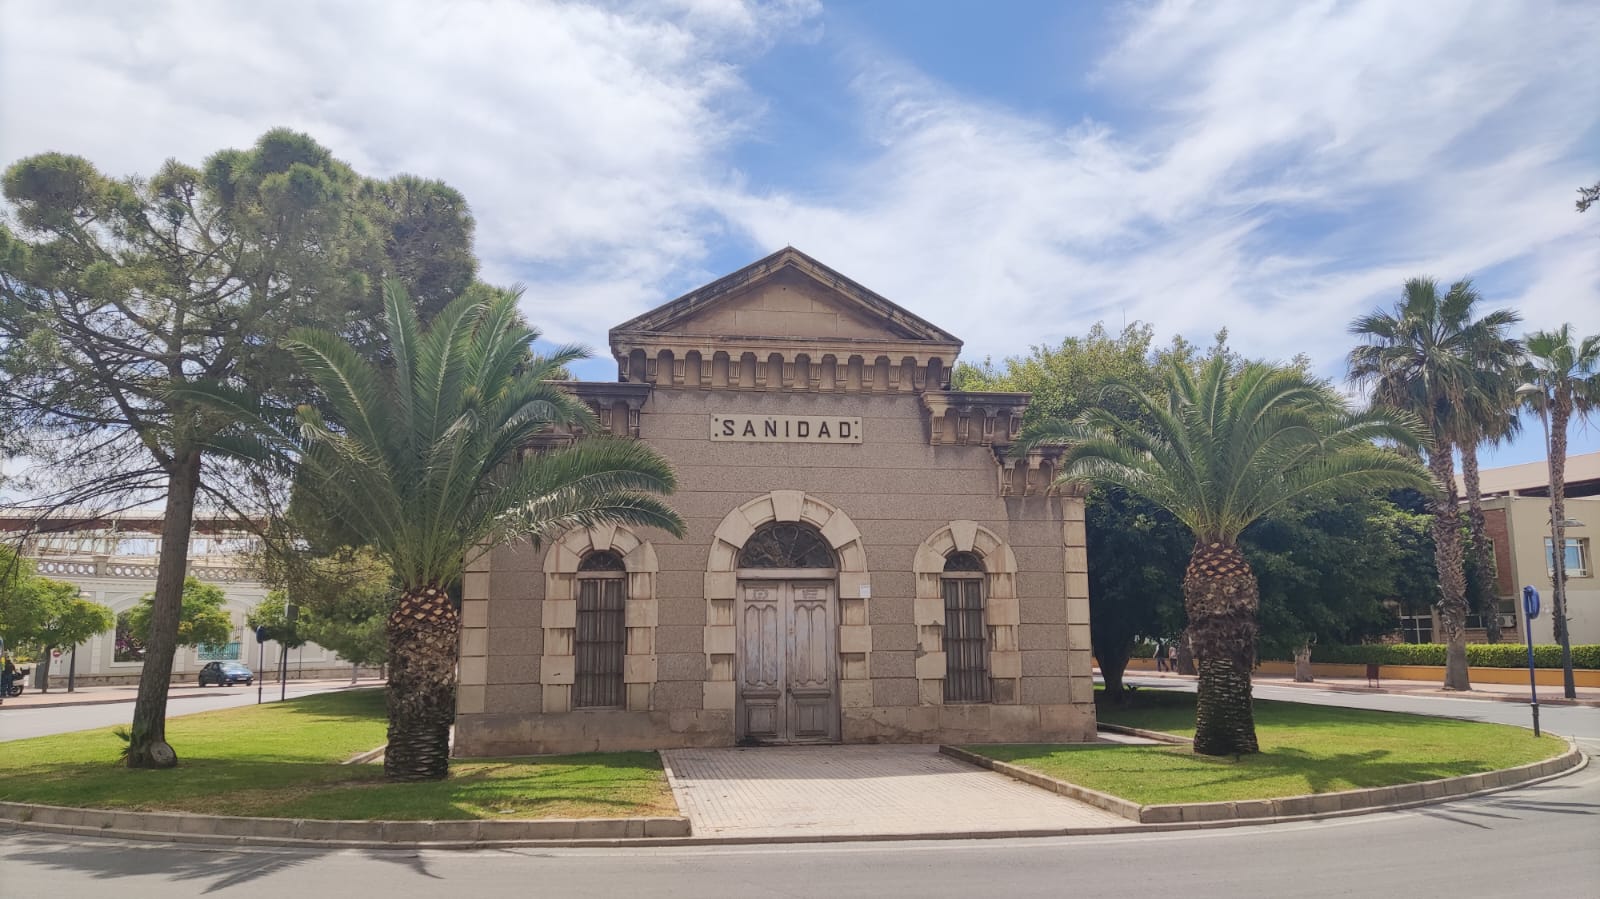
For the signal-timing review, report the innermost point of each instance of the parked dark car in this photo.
(226, 674)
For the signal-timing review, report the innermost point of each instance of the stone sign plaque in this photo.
(786, 428)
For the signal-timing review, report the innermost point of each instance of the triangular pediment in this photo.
(787, 295)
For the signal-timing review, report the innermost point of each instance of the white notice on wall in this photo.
(866, 591)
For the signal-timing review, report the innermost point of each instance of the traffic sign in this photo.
(1530, 602)
(261, 634)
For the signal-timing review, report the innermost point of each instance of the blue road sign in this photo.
(1530, 602)
(261, 632)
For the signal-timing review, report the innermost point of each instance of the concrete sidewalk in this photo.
(861, 791)
(1587, 696)
(59, 698)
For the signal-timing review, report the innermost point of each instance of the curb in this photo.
(311, 833)
(1293, 808)
(170, 698)
(65, 705)
(1156, 735)
(365, 757)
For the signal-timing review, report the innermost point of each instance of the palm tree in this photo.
(1564, 377)
(1428, 357)
(1489, 415)
(1220, 452)
(425, 459)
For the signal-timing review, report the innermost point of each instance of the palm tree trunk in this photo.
(1484, 598)
(1561, 411)
(1221, 596)
(1447, 559)
(423, 634)
(147, 744)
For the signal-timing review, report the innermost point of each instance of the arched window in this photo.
(601, 635)
(966, 639)
(787, 544)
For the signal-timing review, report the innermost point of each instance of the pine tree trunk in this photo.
(1221, 597)
(1447, 558)
(1302, 664)
(147, 747)
(1561, 411)
(1484, 599)
(423, 634)
(1113, 665)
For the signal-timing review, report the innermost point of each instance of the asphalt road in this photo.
(1543, 839)
(17, 723)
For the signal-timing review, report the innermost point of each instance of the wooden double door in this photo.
(788, 683)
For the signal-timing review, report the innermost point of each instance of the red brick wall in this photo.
(1495, 525)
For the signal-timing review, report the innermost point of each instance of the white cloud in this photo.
(1274, 173)
(587, 139)
(1287, 173)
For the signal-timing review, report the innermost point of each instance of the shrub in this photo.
(1481, 655)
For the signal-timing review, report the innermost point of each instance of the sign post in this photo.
(290, 612)
(261, 661)
(1530, 611)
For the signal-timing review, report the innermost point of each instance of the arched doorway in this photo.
(786, 667)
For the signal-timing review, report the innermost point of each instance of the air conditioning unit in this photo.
(1508, 620)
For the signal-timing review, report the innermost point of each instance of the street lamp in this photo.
(1558, 546)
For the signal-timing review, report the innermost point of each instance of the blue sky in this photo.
(1012, 171)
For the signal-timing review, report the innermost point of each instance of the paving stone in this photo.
(860, 790)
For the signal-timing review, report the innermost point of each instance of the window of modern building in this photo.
(601, 635)
(1417, 628)
(1577, 556)
(966, 639)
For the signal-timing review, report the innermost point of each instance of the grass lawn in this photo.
(283, 760)
(1304, 749)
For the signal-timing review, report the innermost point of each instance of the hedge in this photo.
(1481, 655)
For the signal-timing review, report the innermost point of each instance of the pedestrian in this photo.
(1172, 657)
(7, 675)
(1161, 657)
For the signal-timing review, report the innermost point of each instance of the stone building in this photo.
(864, 561)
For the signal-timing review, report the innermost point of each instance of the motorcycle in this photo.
(14, 688)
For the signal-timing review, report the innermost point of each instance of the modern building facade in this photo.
(1517, 517)
(864, 560)
(1516, 512)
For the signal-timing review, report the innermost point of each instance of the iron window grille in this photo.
(966, 638)
(601, 639)
(786, 544)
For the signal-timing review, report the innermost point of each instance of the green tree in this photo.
(202, 617)
(1221, 451)
(424, 460)
(1430, 357)
(113, 292)
(1563, 380)
(1136, 549)
(272, 613)
(42, 614)
(1326, 565)
(355, 628)
(1588, 196)
(68, 621)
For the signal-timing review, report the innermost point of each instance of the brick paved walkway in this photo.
(860, 791)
